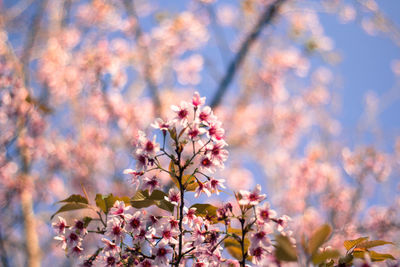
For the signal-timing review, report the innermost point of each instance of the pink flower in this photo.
(62, 241)
(215, 184)
(168, 234)
(72, 238)
(195, 132)
(251, 198)
(134, 223)
(182, 113)
(206, 116)
(147, 146)
(174, 196)
(162, 254)
(201, 189)
(199, 263)
(190, 216)
(207, 164)
(161, 125)
(119, 209)
(198, 235)
(134, 177)
(174, 223)
(231, 263)
(282, 222)
(150, 184)
(60, 226)
(261, 235)
(110, 246)
(146, 263)
(264, 213)
(75, 251)
(217, 154)
(109, 259)
(258, 253)
(114, 229)
(197, 100)
(215, 131)
(79, 228)
(141, 161)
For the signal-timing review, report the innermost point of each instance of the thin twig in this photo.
(266, 17)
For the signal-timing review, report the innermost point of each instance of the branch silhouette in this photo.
(265, 18)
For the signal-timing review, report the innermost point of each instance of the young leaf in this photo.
(206, 210)
(86, 220)
(349, 244)
(319, 258)
(375, 256)
(140, 196)
(157, 195)
(285, 251)
(165, 205)
(233, 246)
(142, 200)
(105, 202)
(70, 206)
(76, 199)
(172, 133)
(190, 182)
(371, 244)
(319, 237)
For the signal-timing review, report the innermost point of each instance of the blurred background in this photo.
(308, 92)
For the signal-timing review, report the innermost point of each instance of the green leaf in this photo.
(86, 220)
(319, 258)
(142, 200)
(69, 207)
(172, 168)
(190, 182)
(105, 202)
(319, 237)
(206, 211)
(172, 133)
(157, 195)
(76, 199)
(165, 205)
(140, 196)
(285, 251)
(349, 244)
(371, 244)
(375, 256)
(234, 247)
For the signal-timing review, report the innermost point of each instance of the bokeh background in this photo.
(311, 110)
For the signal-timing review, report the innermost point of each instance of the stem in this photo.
(243, 262)
(181, 169)
(265, 18)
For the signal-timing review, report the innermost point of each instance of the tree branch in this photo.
(31, 39)
(266, 17)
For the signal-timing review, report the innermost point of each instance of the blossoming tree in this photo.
(82, 81)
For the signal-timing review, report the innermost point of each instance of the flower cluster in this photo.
(131, 235)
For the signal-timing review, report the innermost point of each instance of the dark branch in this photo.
(266, 17)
